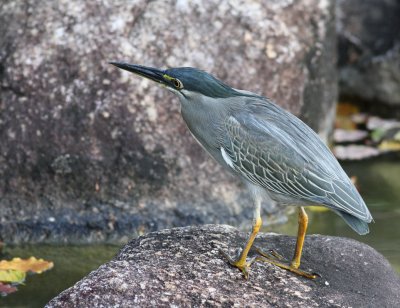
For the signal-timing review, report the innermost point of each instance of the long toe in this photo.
(287, 267)
(270, 254)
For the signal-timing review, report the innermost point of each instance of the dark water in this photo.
(379, 184)
(71, 263)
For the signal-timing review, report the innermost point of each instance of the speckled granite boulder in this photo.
(182, 267)
(90, 154)
(369, 51)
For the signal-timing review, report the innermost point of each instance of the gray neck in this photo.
(205, 118)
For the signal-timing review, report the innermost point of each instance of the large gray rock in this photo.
(89, 153)
(369, 50)
(182, 267)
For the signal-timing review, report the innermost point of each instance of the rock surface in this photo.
(182, 267)
(369, 50)
(89, 153)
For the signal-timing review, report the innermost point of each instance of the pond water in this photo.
(71, 263)
(378, 181)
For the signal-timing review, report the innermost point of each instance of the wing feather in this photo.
(272, 148)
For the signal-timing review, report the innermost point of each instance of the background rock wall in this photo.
(369, 51)
(90, 153)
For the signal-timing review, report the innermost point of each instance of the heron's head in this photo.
(187, 82)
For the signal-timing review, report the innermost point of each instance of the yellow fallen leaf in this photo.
(346, 109)
(13, 276)
(388, 145)
(32, 264)
(318, 208)
(344, 113)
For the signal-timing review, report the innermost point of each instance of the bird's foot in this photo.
(240, 263)
(294, 268)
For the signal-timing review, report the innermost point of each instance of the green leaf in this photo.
(13, 276)
(377, 134)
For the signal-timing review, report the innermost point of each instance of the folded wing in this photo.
(274, 149)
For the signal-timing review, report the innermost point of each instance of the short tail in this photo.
(358, 225)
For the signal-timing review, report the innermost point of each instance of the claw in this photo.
(242, 266)
(244, 271)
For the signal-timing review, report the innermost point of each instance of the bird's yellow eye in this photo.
(177, 83)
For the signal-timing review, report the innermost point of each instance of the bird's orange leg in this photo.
(241, 262)
(294, 265)
(301, 234)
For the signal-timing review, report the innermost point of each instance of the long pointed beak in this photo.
(147, 72)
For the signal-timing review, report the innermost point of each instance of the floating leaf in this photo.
(389, 145)
(355, 152)
(6, 289)
(318, 209)
(359, 118)
(377, 134)
(344, 113)
(354, 180)
(14, 276)
(32, 265)
(345, 123)
(343, 135)
(376, 122)
(346, 109)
